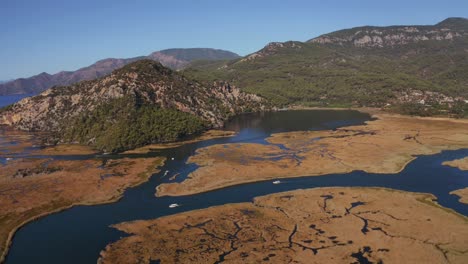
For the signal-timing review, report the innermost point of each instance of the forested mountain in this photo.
(419, 66)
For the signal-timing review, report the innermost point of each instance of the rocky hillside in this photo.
(409, 68)
(143, 102)
(172, 58)
(449, 29)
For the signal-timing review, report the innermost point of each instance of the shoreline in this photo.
(12, 233)
(375, 111)
(206, 135)
(430, 198)
(461, 164)
(437, 134)
(113, 199)
(60, 149)
(462, 195)
(282, 219)
(118, 197)
(282, 178)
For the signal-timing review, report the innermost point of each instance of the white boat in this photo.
(165, 173)
(174, 205)
(9, 158)
(276, 182)
(172, 159)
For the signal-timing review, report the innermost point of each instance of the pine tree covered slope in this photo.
(366, 66)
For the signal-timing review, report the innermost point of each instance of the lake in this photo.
(77, 235)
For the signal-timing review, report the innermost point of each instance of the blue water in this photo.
(78, 235)
(11, 99)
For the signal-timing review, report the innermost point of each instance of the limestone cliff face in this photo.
(146, 82)
(368, 36)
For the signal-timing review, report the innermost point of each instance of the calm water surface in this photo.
(11, 99)
(78, 235)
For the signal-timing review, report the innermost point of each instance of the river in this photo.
(77, 235)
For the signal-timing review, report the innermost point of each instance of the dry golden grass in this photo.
(385, 145)
(210, 134)
(463, 194)
(30, 188)
(322, 225)
(462, 164)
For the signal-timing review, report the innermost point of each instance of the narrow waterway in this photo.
(78, 235)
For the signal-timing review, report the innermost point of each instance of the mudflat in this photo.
(30, 188)
(321, 225)
(384, 145)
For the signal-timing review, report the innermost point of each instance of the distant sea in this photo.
(11, 99)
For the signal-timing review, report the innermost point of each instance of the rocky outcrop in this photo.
(273, 48)
(146, 82)
(368, 36)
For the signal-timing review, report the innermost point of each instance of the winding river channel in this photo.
(77, 235)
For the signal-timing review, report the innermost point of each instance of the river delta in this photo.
(373, 179)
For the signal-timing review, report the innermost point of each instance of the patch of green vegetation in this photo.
(326, 75)
(122, 124)
(413, 109)
(151, 168)
(457, 110)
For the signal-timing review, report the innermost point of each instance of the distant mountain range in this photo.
(426, 66)
(172, 58)
(416, 68)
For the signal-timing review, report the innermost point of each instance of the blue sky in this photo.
(54, 35)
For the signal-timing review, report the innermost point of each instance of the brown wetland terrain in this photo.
(332, 225)
(321, 225)
(34, 187)
(384, 145)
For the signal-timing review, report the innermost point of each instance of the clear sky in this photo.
(54, 35)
